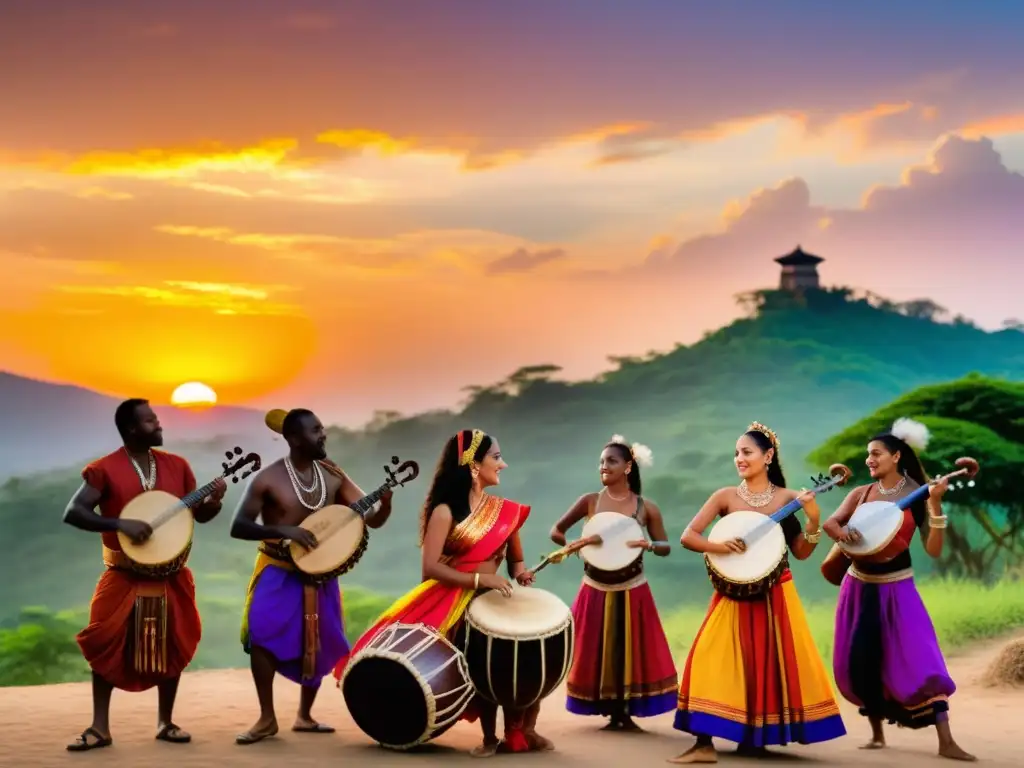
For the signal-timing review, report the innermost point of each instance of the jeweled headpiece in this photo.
(757, 426)
(467, 453)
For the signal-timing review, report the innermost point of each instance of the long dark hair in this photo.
(626, 454)
(453, 481)
(762, 441)
(909, 465)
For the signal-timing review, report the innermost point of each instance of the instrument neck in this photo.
(365, 504)
(781, 514)
(190, 501)
(914, 497)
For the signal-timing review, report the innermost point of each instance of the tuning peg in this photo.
(234, 478)
(224, 466)
(394, 460)
(238, 451)
(970, 483)
(227, 454)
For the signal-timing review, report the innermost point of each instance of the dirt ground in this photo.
(215, 705)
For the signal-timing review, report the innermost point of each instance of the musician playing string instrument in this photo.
(622, 665)
(465, 533)
(144, 626)
(291, 624)
(753, 675)
(887, 659)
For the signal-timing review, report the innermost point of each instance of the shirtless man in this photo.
(274, 627)
(124, 597)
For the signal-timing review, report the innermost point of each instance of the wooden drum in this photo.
(519, 648)
(408, 685)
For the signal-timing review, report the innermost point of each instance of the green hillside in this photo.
(808, 368)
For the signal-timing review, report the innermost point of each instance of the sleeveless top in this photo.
(624, 578)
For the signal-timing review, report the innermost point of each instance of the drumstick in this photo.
(560, 554)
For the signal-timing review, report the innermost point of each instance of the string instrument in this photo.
(751, 573)
(879, 522)
(167, 549)
(341, 531)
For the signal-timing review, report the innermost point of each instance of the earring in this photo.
(768, 462)
(628, 471)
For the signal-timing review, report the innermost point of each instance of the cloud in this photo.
(952, 222)
(218, 298)
(523, 260)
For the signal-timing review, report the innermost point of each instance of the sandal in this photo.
(82, 743)
(173, 734)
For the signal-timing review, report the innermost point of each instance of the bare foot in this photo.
(698, 753)
(953, 751)
(874, 744)
(262, 730)
(539, 743)
(309, 725)
(488, 749)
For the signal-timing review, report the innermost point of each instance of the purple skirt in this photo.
(276, 624)
(886, 657)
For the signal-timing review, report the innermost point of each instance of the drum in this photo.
(750, 574)
(878, 522)
(342, 537)
(408, 685)
(519, 648)
(612, 556)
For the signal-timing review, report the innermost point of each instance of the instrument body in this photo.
(612, 556)
(518, 649)
(408, 685)
(750, 574)
(167, 549)
(747, 575)
(341, 532)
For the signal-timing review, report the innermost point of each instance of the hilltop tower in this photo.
(799, 271)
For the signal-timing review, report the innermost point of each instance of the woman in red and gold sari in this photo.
(465, 534)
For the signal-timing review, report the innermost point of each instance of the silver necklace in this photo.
(148, 483)
(318, 480)
(760, 499)
(895, 489)
(616, 498)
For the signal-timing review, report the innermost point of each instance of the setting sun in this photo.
(193, 394)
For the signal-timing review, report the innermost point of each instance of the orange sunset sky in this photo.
(355, 206)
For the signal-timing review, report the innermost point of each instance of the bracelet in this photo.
(476, 581)
(937, 521)
(653, 545)
(812, 538)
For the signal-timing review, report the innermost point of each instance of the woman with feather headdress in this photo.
(753, 675)
(622, 666)
(886, 656)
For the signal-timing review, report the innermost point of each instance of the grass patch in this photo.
(962, 611)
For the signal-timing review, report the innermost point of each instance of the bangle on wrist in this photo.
(476, 581)
(937, 521)
(812, 538)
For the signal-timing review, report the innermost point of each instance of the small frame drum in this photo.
(878, 523)
(408, 685)
(747, 575)
(518, 649)
(615, 530)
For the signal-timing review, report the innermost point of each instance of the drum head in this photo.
(615, 530)
(338, 530)
(386, 700)
(762, 554)
(878, 523)
(173, 536)
(529, 613)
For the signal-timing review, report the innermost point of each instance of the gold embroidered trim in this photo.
(469, 532)
(636, 581)
(881, 578)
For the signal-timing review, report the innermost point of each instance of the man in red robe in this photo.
(144, 628)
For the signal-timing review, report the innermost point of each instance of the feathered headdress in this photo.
(913, 433)
(641, 454)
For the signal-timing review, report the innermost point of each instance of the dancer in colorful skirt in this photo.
(753, 675)
(887, 658)
(622, 667)
(465, 534)
(292, 625)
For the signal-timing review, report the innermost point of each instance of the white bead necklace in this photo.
(148, 483)
(318, 484)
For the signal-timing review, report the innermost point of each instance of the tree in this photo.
(974, 416)
(40, 649)
(922, 309)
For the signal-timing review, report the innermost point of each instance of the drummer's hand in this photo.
(849, 535)
(938, 490)
(732, 546)
(300, 536)
(497, 583)
(526, 578)
(638, 544)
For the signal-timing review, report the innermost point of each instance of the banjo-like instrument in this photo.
(167, 549)
(610, 532)
(878, 522)
(341, 532)
(749, 574)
